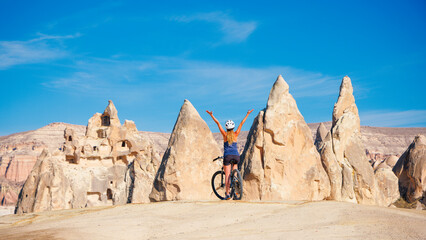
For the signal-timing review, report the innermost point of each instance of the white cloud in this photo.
(55, 37)
(79, 81)
(182, 78)
(233, 31)
(394, 118)
(41, 49)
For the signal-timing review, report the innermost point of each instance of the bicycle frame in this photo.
(223, 180)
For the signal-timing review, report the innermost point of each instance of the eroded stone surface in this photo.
(187, 166)
(8, 192)
(94, 170)
(388, 185)
(280, 159)
(18, 154)
(411, 171)
(320, 135)
(344, 158)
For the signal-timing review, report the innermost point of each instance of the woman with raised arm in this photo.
(230, 147)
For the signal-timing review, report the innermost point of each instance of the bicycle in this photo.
(236, 185)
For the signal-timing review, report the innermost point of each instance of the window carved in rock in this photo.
(109, 194)
(106, 121)
(101, 133)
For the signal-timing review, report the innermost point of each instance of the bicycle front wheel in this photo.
(218, 184)
(236, 185)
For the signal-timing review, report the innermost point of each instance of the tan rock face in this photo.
(343, 155)
(4, 160)
(320, 135)
(19, 167)
(387, 183)
(411, 171)
(18, 154)
(376, 164)
(388, 162)
(8, 192)
(187, 166)
(114, 166)
(391, 161)
(345, 104)
(380, 142)
(14, 170)
(280, 159)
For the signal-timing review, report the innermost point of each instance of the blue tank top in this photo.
(230, 150)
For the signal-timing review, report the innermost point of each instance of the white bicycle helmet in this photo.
(229, 125)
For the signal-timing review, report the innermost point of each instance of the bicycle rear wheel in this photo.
(236, 185)
(218, 184)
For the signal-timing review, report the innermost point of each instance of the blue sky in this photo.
(61, 61)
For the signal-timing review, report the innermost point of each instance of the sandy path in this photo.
(222, 220)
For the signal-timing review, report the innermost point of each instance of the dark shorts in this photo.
(235, 159)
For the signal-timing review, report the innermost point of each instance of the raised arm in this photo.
(218, 124)
(242, 122)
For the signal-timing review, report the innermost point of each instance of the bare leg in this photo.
(227, 170)
(234, 166)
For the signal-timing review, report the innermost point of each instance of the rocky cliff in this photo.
(19, 152)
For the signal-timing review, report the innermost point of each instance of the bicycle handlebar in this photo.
(220, 157)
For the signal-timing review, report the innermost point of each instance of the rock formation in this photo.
(380, 142)
(388, 162)
(112, 164)
(280, 161)
(18, 154)
(187, 166)
(391, 161)
(411, 171)
(320, 135)
(343, 155)
(387, 184)
(14, 170)
(386, 180)
(8, 192)
(19, 167)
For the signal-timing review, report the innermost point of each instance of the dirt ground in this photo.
(220, 220)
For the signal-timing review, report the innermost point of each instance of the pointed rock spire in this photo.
(108, 119)
(343, 155)
(346, 103)
(112, 113)
(110, 110)
(186, 168)
(278, 91)
(280, 160)
(281, 108)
